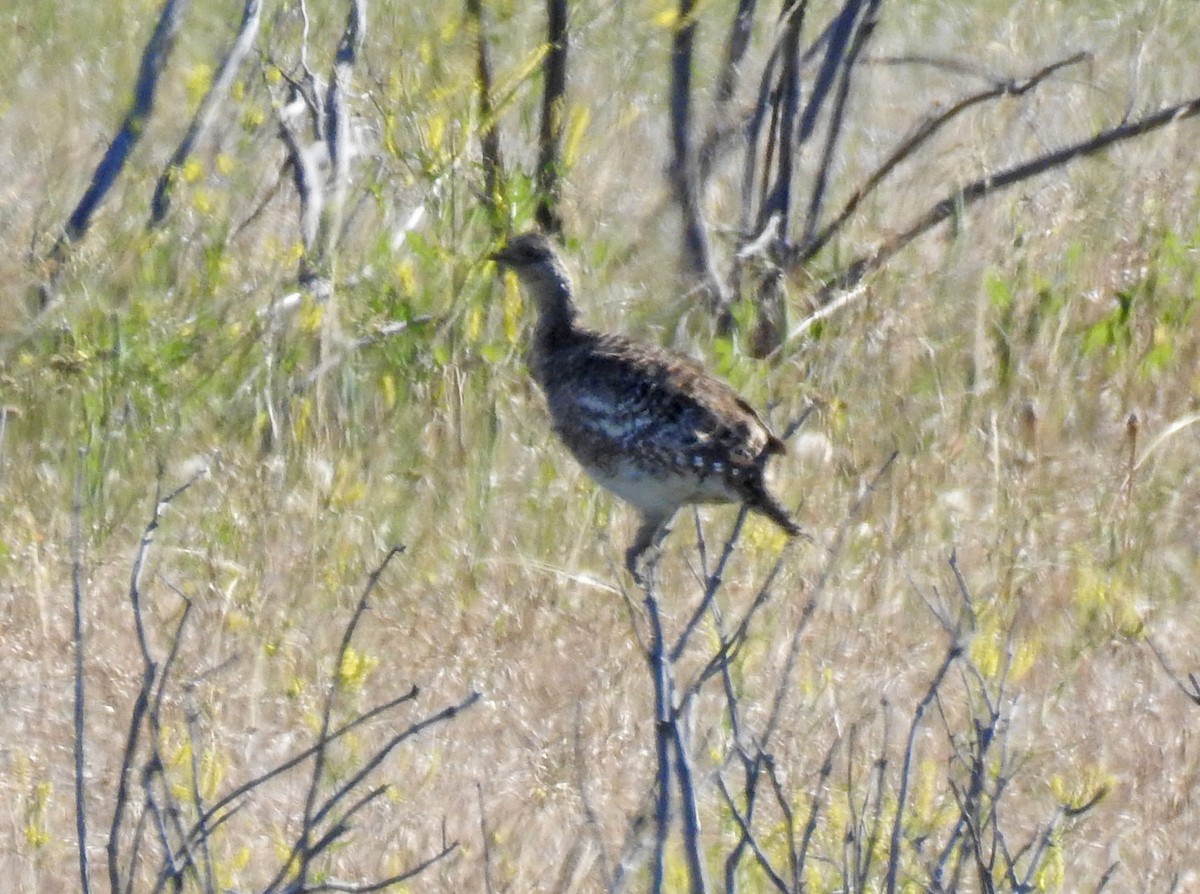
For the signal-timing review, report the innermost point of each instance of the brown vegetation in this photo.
(987, 653)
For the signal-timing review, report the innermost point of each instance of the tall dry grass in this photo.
(1002, 357)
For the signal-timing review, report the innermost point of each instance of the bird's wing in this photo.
(628, 398)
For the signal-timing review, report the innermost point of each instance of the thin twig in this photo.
(865, 27)
(818, 590)
(924, 132)
(154, 764)
(213, 99)
(690, 813)
(77, 643)
(349, 888)
(121, 801)
(301, 847)
(984, 187)
(660, 671)
(810, 826)
(297, 759)
(747, 836)
(738, 42)
(154, 60)
(893, 869)
(712, 585)
(1192, 689)
(142, 703)
(369, 766)
(489, 133)
(554, 69)
(139, 561)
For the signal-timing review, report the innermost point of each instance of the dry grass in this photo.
(980, 355)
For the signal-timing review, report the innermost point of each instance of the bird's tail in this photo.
(762, 502)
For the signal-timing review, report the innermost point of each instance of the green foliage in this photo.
(1149, 317)
(329, 440)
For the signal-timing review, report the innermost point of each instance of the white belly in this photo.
(658, 493)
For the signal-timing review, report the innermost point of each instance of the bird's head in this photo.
(525, 251)
(534, 259)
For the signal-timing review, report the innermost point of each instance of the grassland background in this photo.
(1071, 295)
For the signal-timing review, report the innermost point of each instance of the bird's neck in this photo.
(556, 313)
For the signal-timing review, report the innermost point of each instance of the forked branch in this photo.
(984, 187)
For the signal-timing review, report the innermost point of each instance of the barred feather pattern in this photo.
(651, 425)
(647, 423)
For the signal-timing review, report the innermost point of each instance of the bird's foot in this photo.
(643, 566)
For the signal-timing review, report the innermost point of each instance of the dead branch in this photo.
(985, 186)
(306, 161)
(154, 60)
(320, 164)
(952, 654)
(864, 27)
(697, 261)
(784, 140)
(150, 671)
(213, 817)
(818, 590)
(339, 138)
(554, 69)
(735, 51)
(1190, 688)
(660, 670)
(693, 854)
(747, 838)
(489, 134)
(925, 131)
(206, 113)
(302, 847)
(77, 644)
(447, 850)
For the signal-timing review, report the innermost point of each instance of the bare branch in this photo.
(748, 836)
(387, 882)
(951, 656)
(302, 847)
(818, 590)
(985, 186)
(142, 704)
(209, 819)
(697, 259)
(810, 247)
(735, 51)
(77, 643)
(784, 139)
(553, 109)
(691, 816)
(121, 802)
(865, 27)
(154, 60)
(139, 562)
(489, 135)
(1191, 688)
(338, 132)
(712, 585)
(661, 671)
(206, 113)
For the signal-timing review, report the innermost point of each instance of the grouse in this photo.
(647, 423)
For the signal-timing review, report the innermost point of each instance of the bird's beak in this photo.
(499, 256)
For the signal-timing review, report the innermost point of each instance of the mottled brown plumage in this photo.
(647, 423)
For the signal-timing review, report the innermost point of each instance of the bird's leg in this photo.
(653, 529)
